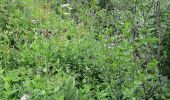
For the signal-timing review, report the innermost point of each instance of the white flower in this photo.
(35, 21)
(65, 5)
(25, 97)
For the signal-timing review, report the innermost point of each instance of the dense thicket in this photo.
(85, 49)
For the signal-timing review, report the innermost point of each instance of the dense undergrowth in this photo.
(87, 50)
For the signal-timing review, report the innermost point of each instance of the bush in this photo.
(50, 52)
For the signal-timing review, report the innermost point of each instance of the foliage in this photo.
(84, 50)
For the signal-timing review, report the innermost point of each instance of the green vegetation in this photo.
(85, 49)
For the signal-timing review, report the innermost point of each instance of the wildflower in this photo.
(25, 97)
(65, 5)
